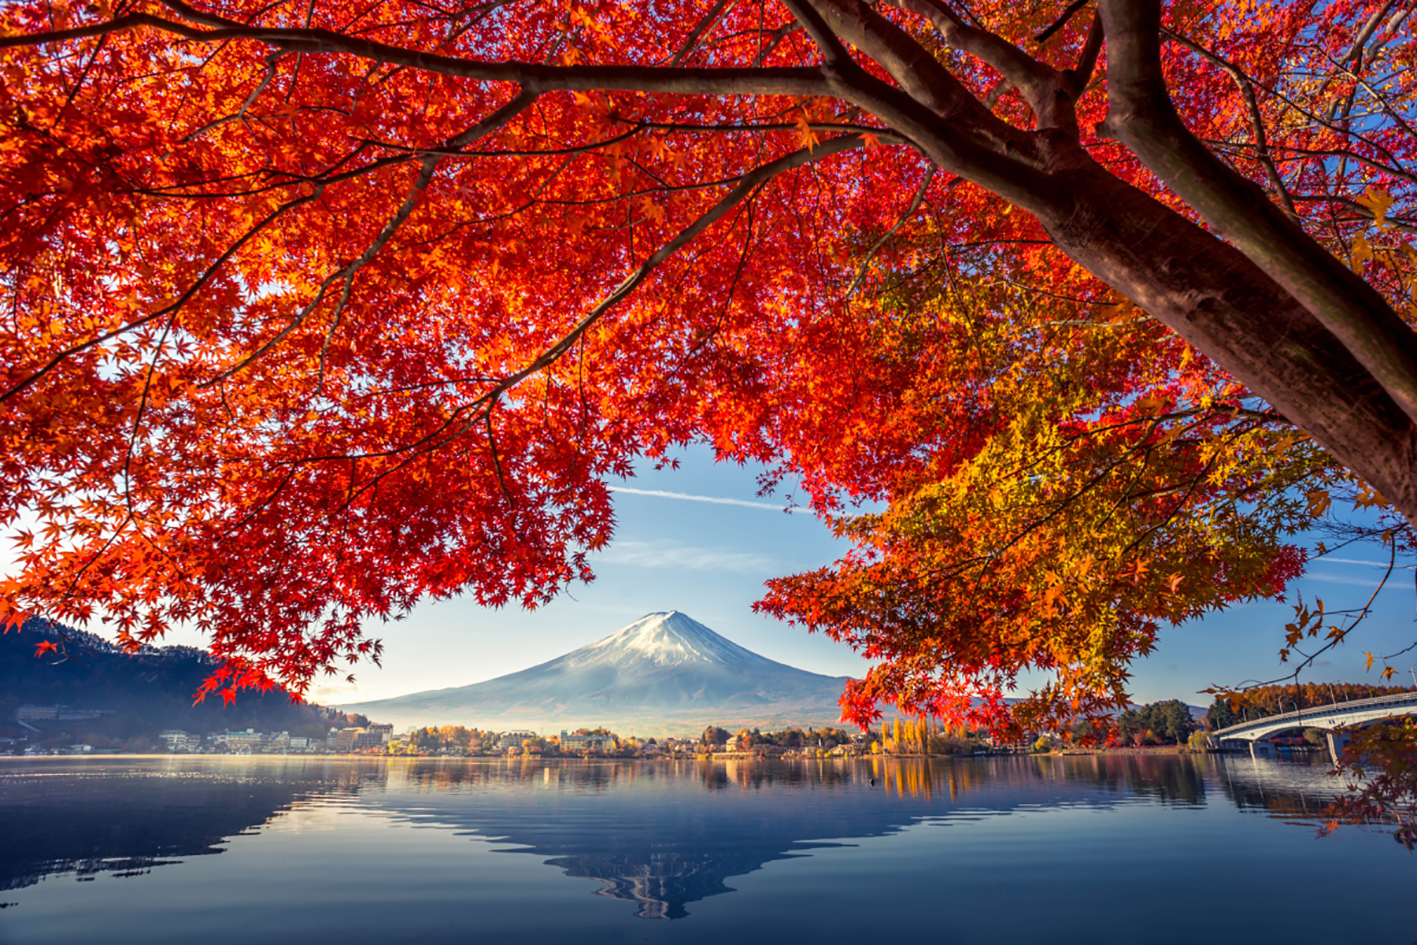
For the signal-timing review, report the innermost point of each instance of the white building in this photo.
(178, 740)
(249, 740)
(571, 742)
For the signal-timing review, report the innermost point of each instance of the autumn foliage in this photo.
(312, 310)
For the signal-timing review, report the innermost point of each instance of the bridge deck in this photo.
(1326, 717)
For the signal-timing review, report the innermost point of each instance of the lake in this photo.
(1085, 849)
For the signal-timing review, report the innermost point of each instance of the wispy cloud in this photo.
(1371, 564)
(666, 554)
(1356, 582)
(686, 497)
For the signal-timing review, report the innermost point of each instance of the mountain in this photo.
(664, 674)
(146, 691)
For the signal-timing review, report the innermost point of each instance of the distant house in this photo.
(28, 715)
(513, 739)
(346, 737)
(178, 740)
(571, 742)
(249, 740)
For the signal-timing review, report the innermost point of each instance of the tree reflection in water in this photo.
(660, 835)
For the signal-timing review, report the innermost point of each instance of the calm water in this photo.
(1011, 850)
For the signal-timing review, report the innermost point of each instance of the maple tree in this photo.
(315, 309)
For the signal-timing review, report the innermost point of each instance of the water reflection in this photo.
(125, 819)
(658, 835)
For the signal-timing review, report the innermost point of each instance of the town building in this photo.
(178, 740)
(28, 715)
(513, 739)
(570, 742)
(249, 740)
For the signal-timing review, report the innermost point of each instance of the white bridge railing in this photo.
(1330, 715)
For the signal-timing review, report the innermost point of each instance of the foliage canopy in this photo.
(314, 309)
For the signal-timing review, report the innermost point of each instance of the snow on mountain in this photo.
(667, 639)
(665, 673)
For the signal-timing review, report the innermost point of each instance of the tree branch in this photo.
(1041, 86)
(536, 77)
(1247, 92)
(1142, 115)
(709, 21)
(745, 187)
(519, 103)
(909, 212)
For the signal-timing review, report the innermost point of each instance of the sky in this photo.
(700, 540)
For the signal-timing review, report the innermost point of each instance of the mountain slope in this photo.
(663, 674)
(149, 690)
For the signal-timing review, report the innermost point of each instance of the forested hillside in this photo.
(150, 690)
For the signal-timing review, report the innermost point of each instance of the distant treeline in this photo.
(746, 739)
(150, 690)
(1273, 700)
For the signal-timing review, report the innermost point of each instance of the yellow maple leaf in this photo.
(1319, 502)
(1362, 251)
(1377, 200)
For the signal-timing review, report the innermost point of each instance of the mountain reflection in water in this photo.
(660, 835)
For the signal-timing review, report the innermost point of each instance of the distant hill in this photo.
(150, 690)
(663, 674)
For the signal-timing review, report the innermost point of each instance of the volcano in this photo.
(666, 673)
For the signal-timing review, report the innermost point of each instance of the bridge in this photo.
(1328, 717)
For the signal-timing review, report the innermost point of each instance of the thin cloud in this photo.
(1371, 564)
(645, 554)
(686, 497)
(1356, 582)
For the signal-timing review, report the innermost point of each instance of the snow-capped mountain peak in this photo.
(665, 673)
(666, 638)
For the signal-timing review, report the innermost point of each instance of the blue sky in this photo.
(709, 560)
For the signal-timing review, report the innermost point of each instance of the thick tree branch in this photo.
(1041, 85)
(1252, 105)
(922, 77)
(838, 58)
(1144, 118)
(535, 77)
(949, 125)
